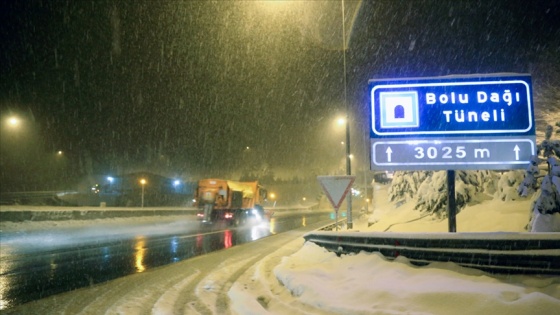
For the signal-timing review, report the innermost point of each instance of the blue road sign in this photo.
(479, 110)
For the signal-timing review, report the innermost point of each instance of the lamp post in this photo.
(143, 183)
(348, 162)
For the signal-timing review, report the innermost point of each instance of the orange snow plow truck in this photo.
(235, 202)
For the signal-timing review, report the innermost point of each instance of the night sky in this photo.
(218, 88)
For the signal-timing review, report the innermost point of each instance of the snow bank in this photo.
(367, 283)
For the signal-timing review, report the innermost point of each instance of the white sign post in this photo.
(336, 188)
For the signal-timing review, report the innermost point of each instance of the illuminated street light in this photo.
(13, 122)
(272, 197)
(110, 179)
(143, 183)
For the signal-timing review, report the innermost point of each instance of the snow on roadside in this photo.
(367, 283)
(491, 215)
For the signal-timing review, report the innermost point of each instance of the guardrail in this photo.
(513, 253)
(333, 226)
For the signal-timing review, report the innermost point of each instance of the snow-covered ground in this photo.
(369, 284)
(489, 215)
(302, 278)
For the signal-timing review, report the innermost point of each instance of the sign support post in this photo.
(451, 205)
(336, 218)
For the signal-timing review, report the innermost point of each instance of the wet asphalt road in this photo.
(41, 263)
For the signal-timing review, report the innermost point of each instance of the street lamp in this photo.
(143, 183)
(176, 186)
(13, 121)
(13, 124)
(272, 197)
(110, 179)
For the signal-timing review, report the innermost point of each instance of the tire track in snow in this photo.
(144, 295)
(165, 305)
(259, 289)
(214, 287)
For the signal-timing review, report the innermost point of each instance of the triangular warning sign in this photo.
(336, 188)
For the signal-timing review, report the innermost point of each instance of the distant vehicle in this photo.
(232, 201)
(384, 177)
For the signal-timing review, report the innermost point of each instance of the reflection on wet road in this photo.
(30, 270)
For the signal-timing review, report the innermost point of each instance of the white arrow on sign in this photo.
(336, 188)
(389, 151)
(516, 149)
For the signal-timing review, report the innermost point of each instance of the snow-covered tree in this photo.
(549, 147)
(508, 185)
(428, 189)
(487, 180)
(547, 200)
(405, 185)
(432, 196)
